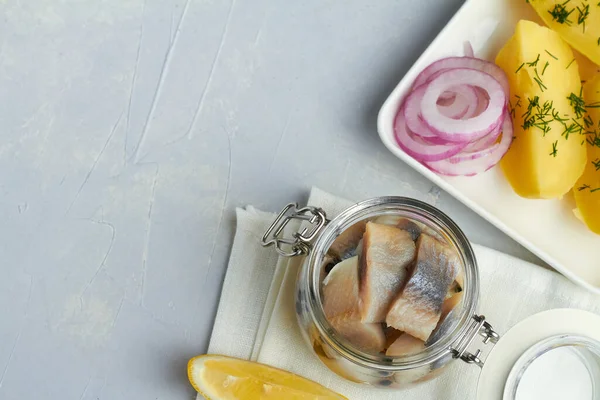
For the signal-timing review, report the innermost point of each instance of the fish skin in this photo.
(366, 337)
(448, 317)
(460, 279)
(450, 304)
(417, 309)
(387, 252)
(405, 345)
(340, 288)
(415, 228)
(326, 266)
(410, 227)
(402, 223)
(445, 326)
(344, 246)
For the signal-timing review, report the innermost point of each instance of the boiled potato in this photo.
(587, 188)
(548, 153)
(578, 22)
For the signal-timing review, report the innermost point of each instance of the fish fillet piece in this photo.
(387, 252)
(326, 266)
(450, 304)
(340, 288)
(445, 326)
(405, 345)
(410, 227)
(417, 309)
(448, 317)
(345, 244)
(367, 337)
(459, 281)
(391, 334)
(402, 223)
(415, 228)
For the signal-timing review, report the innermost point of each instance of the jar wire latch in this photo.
(300, 241)
(479, 326)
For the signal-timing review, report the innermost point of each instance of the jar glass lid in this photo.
(560, 367)
(551, 355)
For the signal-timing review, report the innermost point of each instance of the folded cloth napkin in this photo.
(256, 317)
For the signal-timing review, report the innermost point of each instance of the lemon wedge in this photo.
(226, 378)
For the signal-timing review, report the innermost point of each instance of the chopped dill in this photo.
(540, 84)
(577, 103)
(551, 55)
(520, 66)
(594, 141)
(545, 66)
(584, 13)
(554, 149)
(574, 127)
(570, 64)
(534, 62)
(560, 13)
(583, 187)
(596, 163)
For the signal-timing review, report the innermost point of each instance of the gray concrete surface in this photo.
(130, 131)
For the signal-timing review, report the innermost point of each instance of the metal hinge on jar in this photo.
(479, 326)
(300, 242)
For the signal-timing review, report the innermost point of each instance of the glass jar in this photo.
(314, 240)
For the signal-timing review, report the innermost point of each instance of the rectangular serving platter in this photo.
(548, 228)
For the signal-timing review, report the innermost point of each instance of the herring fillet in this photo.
(340, 288)
(387, 252)
(345, 244)
(415, 228)
(405, 345)
(417, 309)
(450, 303)
(340, 305)
(391, 334)
(366, 337)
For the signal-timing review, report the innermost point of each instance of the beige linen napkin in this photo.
(256, 317)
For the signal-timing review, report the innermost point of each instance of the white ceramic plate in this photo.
(547, 228)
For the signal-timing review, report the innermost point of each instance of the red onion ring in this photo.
(464, 104)
(412, 109)
(484, 142)
(418, 148)
(468, 49)
(470, 164)
(463, 62)
(472, 128)
(452, 120)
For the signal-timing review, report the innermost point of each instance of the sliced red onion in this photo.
(415, 123)
(469, 129)
(468, 49)
(470, 164)
(464, 105)
(483, 143)
(483, 100)
(446, 99)
(418, 148)
(454, 116)
(463, 62)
